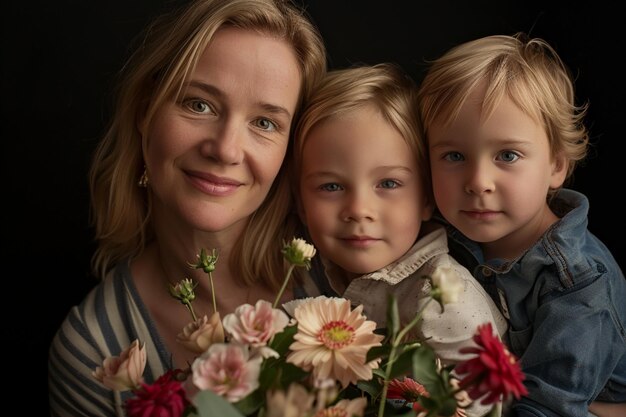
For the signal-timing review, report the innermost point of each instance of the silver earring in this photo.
(143, 180)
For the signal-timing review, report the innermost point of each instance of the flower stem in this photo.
(393, 354)
(282, 289)
(213, 292)
(190, 308)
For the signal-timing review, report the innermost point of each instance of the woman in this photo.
(193, 160)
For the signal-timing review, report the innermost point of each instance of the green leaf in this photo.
(251, 403)
(281, 341)
(209, 404)
(425, 371)
(393, 316)
(378, 352)
(372, 387)
(403, 363)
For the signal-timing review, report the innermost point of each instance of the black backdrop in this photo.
(59, 59)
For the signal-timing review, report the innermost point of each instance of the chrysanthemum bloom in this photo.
(198, 335)
(227, 370)
(344, 408)
(299, 253)
(494, 372)
(447, 285)
(123, 372)
(165, 398)
(333, 340)
(297, 402)
(255, 326)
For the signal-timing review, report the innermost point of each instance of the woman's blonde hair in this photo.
(386, 87)
(528, 71)
(156, 72)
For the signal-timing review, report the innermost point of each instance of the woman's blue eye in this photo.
(508, 156)
(389, 184)
(453, 157)
(266, 124)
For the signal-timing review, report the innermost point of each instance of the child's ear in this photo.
(560, 164)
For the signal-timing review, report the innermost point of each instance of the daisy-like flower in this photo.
(227, 370)
(255, 326)
(494, 372)
(123, 372)
(447, 286)
(198, 335)
(332, 340)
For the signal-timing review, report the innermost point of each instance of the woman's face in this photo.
(213, 155)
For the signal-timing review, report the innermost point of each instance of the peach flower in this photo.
(198, 335)
(227, 370)
(332, 340)
(123, 372)
(347, 408)
(297, 402)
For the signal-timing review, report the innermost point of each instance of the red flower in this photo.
(165, 398)
(406, 389)
(495, 371)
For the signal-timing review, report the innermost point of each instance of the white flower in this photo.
(447, 285)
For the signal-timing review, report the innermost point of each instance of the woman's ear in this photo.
(560, 165)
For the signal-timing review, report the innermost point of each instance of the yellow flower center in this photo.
(336, 334)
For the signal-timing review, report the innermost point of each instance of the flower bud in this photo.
(299, 252)
(198, 335)
(123, 372)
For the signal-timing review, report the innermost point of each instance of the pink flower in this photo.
(255, 326)
(198, 335)
(333, 340)
(165, 398)
(495, 372)
(123, 372)
(227, 370)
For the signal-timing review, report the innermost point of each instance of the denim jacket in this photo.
(565, 299)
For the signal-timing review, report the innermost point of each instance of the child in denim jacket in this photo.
(503, 136)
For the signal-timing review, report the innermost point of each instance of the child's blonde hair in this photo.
(528, 71)
(386, 87)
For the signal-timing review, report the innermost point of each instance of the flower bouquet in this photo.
(313, 357)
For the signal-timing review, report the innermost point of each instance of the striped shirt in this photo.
(106, 322)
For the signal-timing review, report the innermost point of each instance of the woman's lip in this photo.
(213, 185)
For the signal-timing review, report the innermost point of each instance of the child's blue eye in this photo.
(389, 184)
(508, 156)
(331, 186)
(453, 157)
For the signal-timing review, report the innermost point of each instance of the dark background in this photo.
(59, 61)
